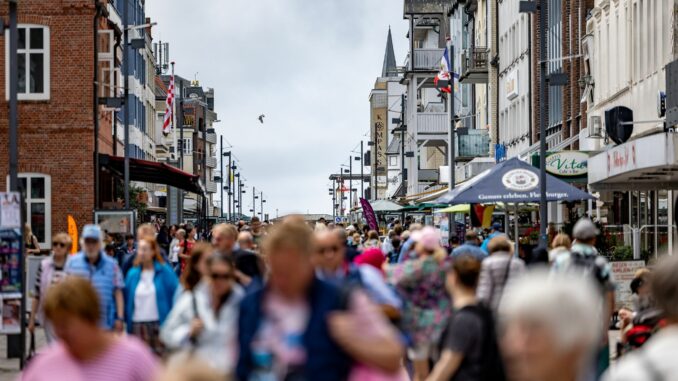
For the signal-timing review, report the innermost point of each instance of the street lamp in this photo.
(225, 154)
(136, 44)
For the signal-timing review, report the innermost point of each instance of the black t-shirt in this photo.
(465, 334)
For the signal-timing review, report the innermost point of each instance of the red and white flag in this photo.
(169, 109)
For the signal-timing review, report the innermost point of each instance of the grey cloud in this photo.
(307, 64)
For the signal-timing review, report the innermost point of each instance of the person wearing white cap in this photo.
(583, 260)
(92, 263)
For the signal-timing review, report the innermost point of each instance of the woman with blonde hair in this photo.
(31, 241)
(149, 294)
(561, 244)
(85, 351)
(50, 272)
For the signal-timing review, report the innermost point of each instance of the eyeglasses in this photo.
(222, 276)
(59, 244)
(333, 249)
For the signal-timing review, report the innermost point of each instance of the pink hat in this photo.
(427, 237)
(373, 257)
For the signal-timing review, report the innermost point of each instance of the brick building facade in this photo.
(567, 114)
(56, 114)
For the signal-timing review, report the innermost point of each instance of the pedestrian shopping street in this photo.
(344, 190)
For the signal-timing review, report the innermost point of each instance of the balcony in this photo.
(428, 175)
(211, 162)
(211, 186)
(474, 65)
(475, 143)
(433, 123)
(427, 59)
(211, 138)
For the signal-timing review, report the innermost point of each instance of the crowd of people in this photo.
(291, 301)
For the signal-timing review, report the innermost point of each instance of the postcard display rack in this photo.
(12, 297)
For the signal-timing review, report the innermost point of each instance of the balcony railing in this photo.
(211, 162)
(211, 186)
(212, 138)
(433, 123)
(473, 145)
(428, 175)
(427, 59)
(474, 65)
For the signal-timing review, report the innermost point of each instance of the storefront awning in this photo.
(646, 163)
(152, 172)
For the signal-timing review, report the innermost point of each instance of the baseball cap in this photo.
(496, 226)
(91, 232)
(350, 228)
(584, 229)
(427, 237)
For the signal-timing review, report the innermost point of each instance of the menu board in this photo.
(623, 273)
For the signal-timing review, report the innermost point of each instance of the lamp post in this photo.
(125, 59)
(362, 170)
(350, 182)
(254, 202)
(231, 193)
(228, 187)
(262, 201)
(221, 169)
(236, 196)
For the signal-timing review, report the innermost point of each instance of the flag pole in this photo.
(174, 115)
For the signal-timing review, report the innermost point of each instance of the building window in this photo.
(38, 196)
(186, 145)
(33, 62)
(392, 161)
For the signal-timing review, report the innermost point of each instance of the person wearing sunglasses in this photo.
(204, 322)
(50, 272)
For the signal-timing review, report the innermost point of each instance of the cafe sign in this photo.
(567, 163)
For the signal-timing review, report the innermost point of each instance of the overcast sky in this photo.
(308, 65)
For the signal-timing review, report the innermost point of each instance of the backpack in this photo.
(589, 266)
(645, 324)
(492, 367)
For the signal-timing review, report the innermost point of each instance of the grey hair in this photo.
(570, 306)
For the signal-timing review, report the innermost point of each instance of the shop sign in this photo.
(520, 180)
(567, 163)
(621, 159)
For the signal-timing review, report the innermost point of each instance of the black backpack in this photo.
(492, 362)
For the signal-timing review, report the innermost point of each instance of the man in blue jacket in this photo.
(103, 271)
(295, 327)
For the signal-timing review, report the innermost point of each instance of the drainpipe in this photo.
(95, 100)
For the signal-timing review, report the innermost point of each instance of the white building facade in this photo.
(514, 78)
(626, 50)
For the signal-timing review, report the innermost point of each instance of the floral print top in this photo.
(421, 284)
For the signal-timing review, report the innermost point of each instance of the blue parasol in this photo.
(511, 181)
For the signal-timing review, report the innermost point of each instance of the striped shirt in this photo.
(127, 359)
(106, 278)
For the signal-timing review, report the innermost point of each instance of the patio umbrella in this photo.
(511, 181)
(385, 206)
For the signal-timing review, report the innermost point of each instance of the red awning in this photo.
(152, 172)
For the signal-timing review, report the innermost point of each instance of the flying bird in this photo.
(261, 118)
